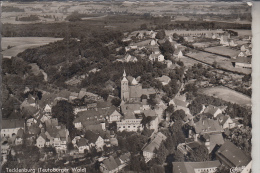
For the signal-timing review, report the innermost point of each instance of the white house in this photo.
(47, 108)
(160, 58)
(115, 116)
(153, 42)
(41, 140)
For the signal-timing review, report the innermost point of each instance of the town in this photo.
(150, 99)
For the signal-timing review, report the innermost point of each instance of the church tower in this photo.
(124, 88)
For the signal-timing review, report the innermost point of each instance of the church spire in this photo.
(124, 74)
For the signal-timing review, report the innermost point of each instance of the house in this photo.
(195, 167)
(224, 40)
(159, 57)
(188, 146)
(95, 115)
(211, 140)
(109, 165)
(225, 121)
(130, 122)
(41, 140)
(156, 50)
(168, 63)
(243, 48)
(30, 122)
(19, 137)
(231, 156)
(148, 149)
(164, 79)
(242, 54)
(232, 44)
(94, 140)
(80, 109)
(154, 121)
(58, 137)
(181, 105)
(114, 164)
(212, 110)
(206, 126)
(115, 116)
(47, 108)
(10, 127)
(34, 129)
(189, 39)
(153, 43)
(178, 53)
(242, 62)
(130, 58)
(82, 145)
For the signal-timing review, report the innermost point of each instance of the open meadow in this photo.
(227, 94)
(11, 46)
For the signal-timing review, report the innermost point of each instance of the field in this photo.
(19, 44)
(242, 32)
(223, 51)
(222, 62)
(227, 95)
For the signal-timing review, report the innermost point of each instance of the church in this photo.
(131, 90)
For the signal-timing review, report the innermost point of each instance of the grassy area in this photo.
(19, 44)
(222, 62)
(226, 51)
(227, 94)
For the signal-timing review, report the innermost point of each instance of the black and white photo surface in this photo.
(126, 86)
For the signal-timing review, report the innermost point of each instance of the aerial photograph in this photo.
(126, 86)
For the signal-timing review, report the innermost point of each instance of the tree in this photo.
(156, 169)
(143, 26)
(199, 154)
(137, 163)
(176, 129)
(170, 109)
(161, 154)
(178, 115)
(181, 40)
(116, 102)
(166, 48)
(152, 101)
(170, 144)
(63, 111)
(246, 78)
(146, 121)
(178, 156)
(165, 99)
(160, 34)
(113, 126)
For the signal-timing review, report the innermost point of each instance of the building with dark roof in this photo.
(195, 167)
(114, 164)
(231, 156)
(10, 127)
(148, 149)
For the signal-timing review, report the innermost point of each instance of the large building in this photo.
(10, 127)
(195, 167)
(231, 156)
(131, 90)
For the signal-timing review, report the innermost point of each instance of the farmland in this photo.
(227, 95)
(223, 51)
(221, 62)
(11, 46)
